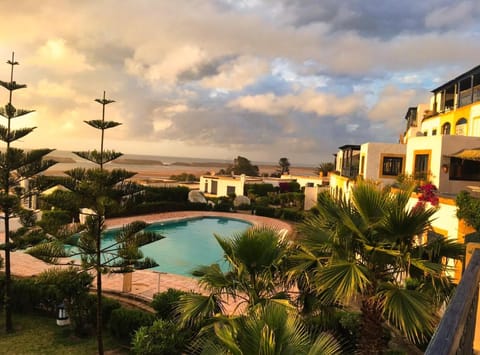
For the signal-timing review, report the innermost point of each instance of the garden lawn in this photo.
(36, 334)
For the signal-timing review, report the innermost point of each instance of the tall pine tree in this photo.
(101, 191)
(16, 165)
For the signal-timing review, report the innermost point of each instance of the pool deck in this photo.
(145, 283)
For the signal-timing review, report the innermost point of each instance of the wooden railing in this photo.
(455, 333)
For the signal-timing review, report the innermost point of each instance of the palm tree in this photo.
(257, 280)
(324, 168)
(255, 259)
(366, 250)
(267, 329)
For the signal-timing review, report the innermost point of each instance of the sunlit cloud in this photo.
(232, 77)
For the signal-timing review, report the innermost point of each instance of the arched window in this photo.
(461, 127)
(446, 129)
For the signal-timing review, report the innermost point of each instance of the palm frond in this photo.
(409, 311)
(194, 308)
(344, 280)
(325, 344)
(214, 279)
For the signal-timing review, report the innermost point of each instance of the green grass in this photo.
(36, 334)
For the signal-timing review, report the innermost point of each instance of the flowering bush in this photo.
(427, 193)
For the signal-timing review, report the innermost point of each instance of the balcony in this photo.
(350, 171)
(456, 333)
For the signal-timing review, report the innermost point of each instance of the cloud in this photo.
(459, 13)
(392, 104)
(55, 54)
(235, 75)
(308, 101)
(258, 76)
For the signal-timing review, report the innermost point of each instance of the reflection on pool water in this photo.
(188, 243)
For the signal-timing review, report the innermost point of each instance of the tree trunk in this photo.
(99, 293)
(8, 278)
(372, 339)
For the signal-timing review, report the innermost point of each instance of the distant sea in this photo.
(137, 162)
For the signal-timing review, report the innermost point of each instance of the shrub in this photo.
(124, 322)
(265, 211)
(197, 206)
(173, 194)
(161, 338)
(292, 186)
(259, 189)
(71, 287)
(468, 208)
(164, 303)
(224, 204)
(27, 295)
(262, 201)
(244, 207)
(292, 214)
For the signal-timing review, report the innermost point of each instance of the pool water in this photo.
(188, 243)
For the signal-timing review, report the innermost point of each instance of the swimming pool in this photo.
(188, 243)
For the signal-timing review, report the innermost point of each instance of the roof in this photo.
(475, 70)
(54, 189)
(467, 154)
(349, 146)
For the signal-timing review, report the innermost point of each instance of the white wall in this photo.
(431, 124)
(373, 153)
(223, 182)
(441, 147)
(304, 180)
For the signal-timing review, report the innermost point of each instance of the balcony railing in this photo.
(350, 171)
(456, 330)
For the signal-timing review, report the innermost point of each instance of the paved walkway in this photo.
(145, 283)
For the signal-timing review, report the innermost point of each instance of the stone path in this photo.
(145, 283)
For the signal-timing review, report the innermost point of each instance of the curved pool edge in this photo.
(180, 215)
(145, 283)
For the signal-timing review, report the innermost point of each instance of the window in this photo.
(392, 166)
(446, 129)
(461, 127)
(421, 166)
(463, 169)
(230, 190)
(434, 132)
(206, 187)
(362, 164)
(214, 187)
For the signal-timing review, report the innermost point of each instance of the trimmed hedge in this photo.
(259, 189)
(125, 322)
(172, 194)
(264, 211)
(292, 214)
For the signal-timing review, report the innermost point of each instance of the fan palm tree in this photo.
(255, 259)
(267, 329)
(367, 250)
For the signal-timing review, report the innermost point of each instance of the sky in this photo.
(263, 79)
